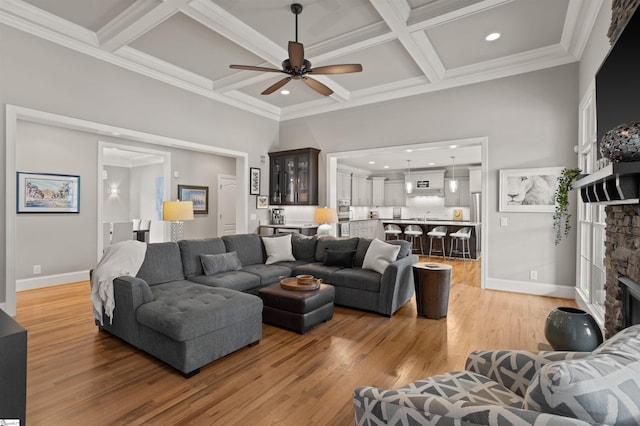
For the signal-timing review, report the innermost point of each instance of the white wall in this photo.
(530, 121)
(44, 76)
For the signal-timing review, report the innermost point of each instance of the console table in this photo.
(13, 369)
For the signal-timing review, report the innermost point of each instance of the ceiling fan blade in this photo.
(296, 54)
(336, 69)
(252, 68)
(317, 86)
(276, 86)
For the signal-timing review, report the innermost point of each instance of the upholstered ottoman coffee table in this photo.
(297, 311)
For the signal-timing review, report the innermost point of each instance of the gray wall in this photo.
(143, 191)
(59, 242)
(115, 207)
(530, 121)
(44, 76)
(596, 49)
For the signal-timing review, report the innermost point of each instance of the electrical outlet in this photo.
(37, 269)
(533, 275)
(504, 221)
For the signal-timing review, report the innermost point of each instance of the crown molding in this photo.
(581, 16)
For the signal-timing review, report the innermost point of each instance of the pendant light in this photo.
(409, 184)
(453, 183)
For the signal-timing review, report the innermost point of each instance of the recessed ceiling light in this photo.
(432, 164)
(284, 92)
(492, 37)
(409, 150)
(115, 133)
(372, 162)
(386, 167)
(453, 146)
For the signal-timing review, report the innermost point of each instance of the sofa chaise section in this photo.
(183, 323)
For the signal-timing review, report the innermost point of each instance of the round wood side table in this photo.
(432, 282)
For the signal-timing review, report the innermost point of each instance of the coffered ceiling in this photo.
(406, 47)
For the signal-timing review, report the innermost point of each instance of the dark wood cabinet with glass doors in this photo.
(293, 177)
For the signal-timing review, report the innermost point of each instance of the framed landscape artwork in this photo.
(254, 181)
(199, 195)
(529, 190)
(48, 193)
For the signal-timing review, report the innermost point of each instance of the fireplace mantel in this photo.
(616, 183)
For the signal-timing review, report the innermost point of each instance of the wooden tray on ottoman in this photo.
(292, 284)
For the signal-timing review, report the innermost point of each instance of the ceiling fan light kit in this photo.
(297, 67)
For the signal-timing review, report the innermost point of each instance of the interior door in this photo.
(226, 205)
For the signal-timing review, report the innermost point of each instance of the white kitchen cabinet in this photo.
(394, 193)
(361, 188)
(461, 197)
(475, 179)
(344, 185)
(377, 191)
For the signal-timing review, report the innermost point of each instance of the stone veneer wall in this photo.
(622, 258)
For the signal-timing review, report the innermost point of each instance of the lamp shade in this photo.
(325, 215)
(177, 210)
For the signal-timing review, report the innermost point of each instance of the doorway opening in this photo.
(133, 184)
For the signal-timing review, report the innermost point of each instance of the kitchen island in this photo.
(302, 228)
(452, 226)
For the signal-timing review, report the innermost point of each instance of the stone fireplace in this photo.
(622, 261)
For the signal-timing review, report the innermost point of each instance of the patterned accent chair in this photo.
(519, 388)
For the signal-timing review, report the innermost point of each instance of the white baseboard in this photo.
(527, 287)
(51, 280)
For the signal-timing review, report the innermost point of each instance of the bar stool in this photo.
(463, 234)
(412, 232)
(439, 232)
(392, 230)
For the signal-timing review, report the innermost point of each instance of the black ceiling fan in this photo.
(298, 68)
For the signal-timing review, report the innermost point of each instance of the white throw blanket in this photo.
(123, 258)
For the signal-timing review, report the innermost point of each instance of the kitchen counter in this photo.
(435, 222)
(452, 226)
(305, 228)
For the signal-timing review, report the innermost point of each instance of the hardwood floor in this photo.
(79, 376)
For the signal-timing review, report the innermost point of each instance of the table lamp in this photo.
(177, 212)
(325, 216)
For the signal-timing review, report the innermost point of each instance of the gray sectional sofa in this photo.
(195, 301)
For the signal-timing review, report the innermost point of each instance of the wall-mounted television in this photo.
(618, 80)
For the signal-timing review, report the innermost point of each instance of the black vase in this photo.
(622, 143)
(571, 329)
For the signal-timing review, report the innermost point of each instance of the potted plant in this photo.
(561, 216)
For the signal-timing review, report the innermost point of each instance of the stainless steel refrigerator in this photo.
(475, 207)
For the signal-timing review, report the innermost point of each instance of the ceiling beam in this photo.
(395, 14)
(136, 20)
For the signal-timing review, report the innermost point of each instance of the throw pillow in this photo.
(304, 247)
(217, 263)
(596, 389)
(361, 252)
(326, 242)
(343, 258)
(380, 255)
(278, 249)
(405, 247)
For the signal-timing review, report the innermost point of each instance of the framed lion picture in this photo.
(529, 190)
